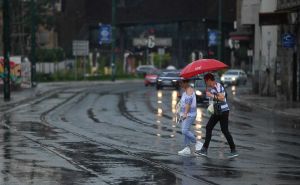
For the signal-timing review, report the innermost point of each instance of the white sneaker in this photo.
(185, 151)
(198, 145)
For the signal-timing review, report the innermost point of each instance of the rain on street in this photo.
(125, 133)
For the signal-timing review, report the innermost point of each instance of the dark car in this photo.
(168, 79)
(200, 90)
(200, 87)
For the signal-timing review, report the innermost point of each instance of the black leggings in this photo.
(223, 118)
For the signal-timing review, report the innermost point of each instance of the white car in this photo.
(144, 69)
(234, 77)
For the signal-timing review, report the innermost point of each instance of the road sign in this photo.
(151, 41)
(104, 34)
(236, 44)
(212, 37)
(80, 47)
(250, 53)
(288, 40)
(162, 42)
(161, 51)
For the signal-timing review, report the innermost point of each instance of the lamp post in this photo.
(113, 40)
(33, 42)
(219, 28)
(6, 51)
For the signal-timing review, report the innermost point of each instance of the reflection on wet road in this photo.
(127, 134)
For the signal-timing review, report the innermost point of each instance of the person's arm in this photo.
(188, 101)
(219, 96)
(186, 110)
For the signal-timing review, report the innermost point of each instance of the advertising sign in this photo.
(104, 34)
(212, 37)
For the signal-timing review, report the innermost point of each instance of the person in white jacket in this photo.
(188, 112)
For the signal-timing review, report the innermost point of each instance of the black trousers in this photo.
(223, 118)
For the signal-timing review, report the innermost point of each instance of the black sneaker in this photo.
(233, 153)
(202, 152)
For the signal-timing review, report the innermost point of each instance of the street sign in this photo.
(162, 42)
(161, 51)
(288, 40)
(250, 53)
(104, 34)
(151, 41)
(212, 37)
(80, 47)
(236, 44)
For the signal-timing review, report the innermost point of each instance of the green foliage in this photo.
(162, 60)
(49, 55)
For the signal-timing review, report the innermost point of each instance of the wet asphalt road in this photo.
(126, 134)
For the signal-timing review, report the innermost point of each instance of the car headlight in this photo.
(222, 78)
(174, 80)
(199, 93)
(159, 80)
(233, 78)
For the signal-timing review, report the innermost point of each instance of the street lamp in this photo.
(219, 28)
(6, 41)
(33, 42)
(113, 39)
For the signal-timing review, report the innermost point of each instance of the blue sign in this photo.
(288, 40)
(105, 34)
(212, 37)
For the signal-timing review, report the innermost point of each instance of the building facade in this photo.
(288, 55)
(276, 61)
(185, 23)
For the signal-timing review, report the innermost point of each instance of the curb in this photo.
(252, 106)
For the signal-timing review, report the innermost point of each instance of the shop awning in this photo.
(241, 35)
(273, 18)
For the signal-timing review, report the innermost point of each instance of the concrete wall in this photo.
(268, 50)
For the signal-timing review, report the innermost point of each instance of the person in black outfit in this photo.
(217, 92)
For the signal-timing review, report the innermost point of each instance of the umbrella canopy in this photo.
(201, 66)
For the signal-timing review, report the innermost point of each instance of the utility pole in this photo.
(33, 43)
(220, 29)
(6, 52)
(113, 40)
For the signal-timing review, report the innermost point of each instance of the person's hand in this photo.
(209, 94)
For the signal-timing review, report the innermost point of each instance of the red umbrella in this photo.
(201, 66)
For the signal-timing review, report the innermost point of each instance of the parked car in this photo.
(234, 77)
(151, 77)
(168, 79)
(144, 69)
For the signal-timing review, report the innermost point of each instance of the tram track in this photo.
(77, 97)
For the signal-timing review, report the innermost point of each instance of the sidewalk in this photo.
(271, 104)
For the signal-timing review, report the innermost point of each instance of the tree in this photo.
(21, 22)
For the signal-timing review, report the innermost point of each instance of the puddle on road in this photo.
(116, 166)
(38, 129)
(25, 162)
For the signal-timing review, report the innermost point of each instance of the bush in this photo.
(50, 55)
